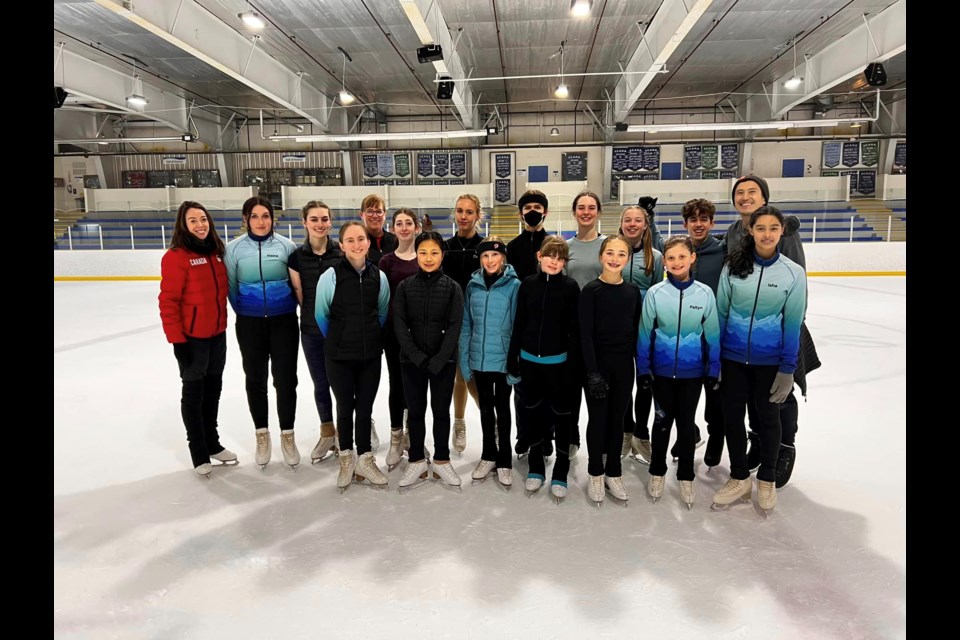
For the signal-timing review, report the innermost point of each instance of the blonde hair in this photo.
(476, 203)
(646, 238)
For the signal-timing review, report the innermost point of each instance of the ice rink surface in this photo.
(145, 549)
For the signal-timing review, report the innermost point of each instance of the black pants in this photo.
(641, 405)
(314, 354)
(789, 412)
(415, 383)
(713, 411)
(272, 342)
(354, 384)
(397, 402)
(743, 386)
(678, 399)
(494, 395)
(201, 372)
(546, 390)
(576, 401)
(605, 427)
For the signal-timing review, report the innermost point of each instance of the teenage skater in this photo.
(609, 320)
(761, 301)
(267, 329)
(427, 317)
(678, 348)
(545, 356)
(352, 302)
(490, 304)
(193, 310)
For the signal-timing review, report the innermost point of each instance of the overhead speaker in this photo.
(59, 95)
(445, 88)
(875, 74)
(620, 126)
(430, 53)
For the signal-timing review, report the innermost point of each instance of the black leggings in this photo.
(642, 404)
(546, 391)
(605, 427)
(745, 385)
(677, 399)
(273, 342)
(354, 384)
(494, 394)
(201, 373)
(397, 403)
(415, 383)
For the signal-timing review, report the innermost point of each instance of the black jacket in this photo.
(427, 317)
(355, 332)
(522, 252)
(310, 266)
(709, 263)
(388, 243)
(460, 259)
(547, 321)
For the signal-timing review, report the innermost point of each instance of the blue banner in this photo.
(634, 158)
(424, 164)
(651, 158)
(502, 188)
(385, 164)
(900, 155)
(620, 159)
(729, 156)
(503, 164)
(369, 166)
(831, 154)
(867, 182)
(692, 157)
(441, 164)
(458, 165)
(851, 154)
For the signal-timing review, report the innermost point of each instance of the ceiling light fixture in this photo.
(561, 91)
(554, 131)
(740, 126)
(345, 96)
(794, 80)
(580, 8)
(123, 140)
(136, 99)
(252, 19)
(373, 137)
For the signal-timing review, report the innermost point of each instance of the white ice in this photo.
(145, 549)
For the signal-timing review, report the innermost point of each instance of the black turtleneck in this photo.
(194, 244)
(489, 279)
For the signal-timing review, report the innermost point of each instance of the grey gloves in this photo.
(782, 386)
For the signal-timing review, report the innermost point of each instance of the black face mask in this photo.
(533, 218)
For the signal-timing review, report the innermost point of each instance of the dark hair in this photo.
(407, 212)
(352, 223)
(181, 233)
(251, 203)
(740, 260)
(673, 241)
(556, 247)
(596, 199)
(698, 205)
(646, 238)
(314, 204)
(432, 236)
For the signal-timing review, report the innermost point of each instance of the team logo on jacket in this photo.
(695, 308)
(198, 261)
(772, 285)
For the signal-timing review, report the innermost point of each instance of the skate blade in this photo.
(599, 502)
(620, 501)
(263, 467)
(421, 482)
(217, 463)
(294, 466)
(558, 499)
(655, 499)
(724, 507)
(391, 467)
(505, 487)
(478, 481)
(638, 459)
(530, 494)
(689, 506)
(452, 487)
(366, 482)
(326, 456)
(521, 456)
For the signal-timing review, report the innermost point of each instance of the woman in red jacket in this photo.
(193, 308)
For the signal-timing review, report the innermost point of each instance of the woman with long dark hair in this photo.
(193, 309)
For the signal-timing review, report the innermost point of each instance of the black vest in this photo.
(312, 267)
(355, 332)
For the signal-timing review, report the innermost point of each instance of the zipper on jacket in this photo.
(263, 282)
(216, 289)
(193, 321)
(483, 335)
(363, 329)
(543, 307)
(426, 320)
(756, 299)
(676, 353)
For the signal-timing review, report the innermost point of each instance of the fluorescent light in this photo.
(732, 126)
(346, 97)
(562, 91)
(137, 100)
(580, 8)
(368, 137)
(554, 131)
(793, 83)
(122, 140)
(856, 125)
(252, 19)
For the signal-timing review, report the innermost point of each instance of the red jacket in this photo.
(193, 295)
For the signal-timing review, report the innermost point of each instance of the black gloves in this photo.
(597, 387)
(644, 381)
(712, 383)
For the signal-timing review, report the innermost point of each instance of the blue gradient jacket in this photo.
(679, 331)
(488, 316)
(257, 276)
(635, 274)
(760, 314)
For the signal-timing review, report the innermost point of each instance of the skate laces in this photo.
(732, 487)
(263, 439)
(288, 443)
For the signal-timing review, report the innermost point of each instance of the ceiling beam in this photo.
(226, 50)
(427, 20)
(879, 38)
(667, 30)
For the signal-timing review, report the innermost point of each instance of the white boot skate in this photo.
(625, 448)
(446, 475)
(204, 470)
(505, 478)
(348, 463)
(559, 490)
(459, 435)
(687, 494)
(766, 496)
(367, 469)
(574, 449)
(595, 490)
(640, 450)
(616, 489)
(414, 475)
(485, 468)
(533, 484)
(326, 445)
(288, 445)
(374, 438)
(655, 487)
(730, 493)
(226, 457)
(395, 454)
(406, 445)
(264, 448)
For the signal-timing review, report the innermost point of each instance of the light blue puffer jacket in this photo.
(487, 323)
